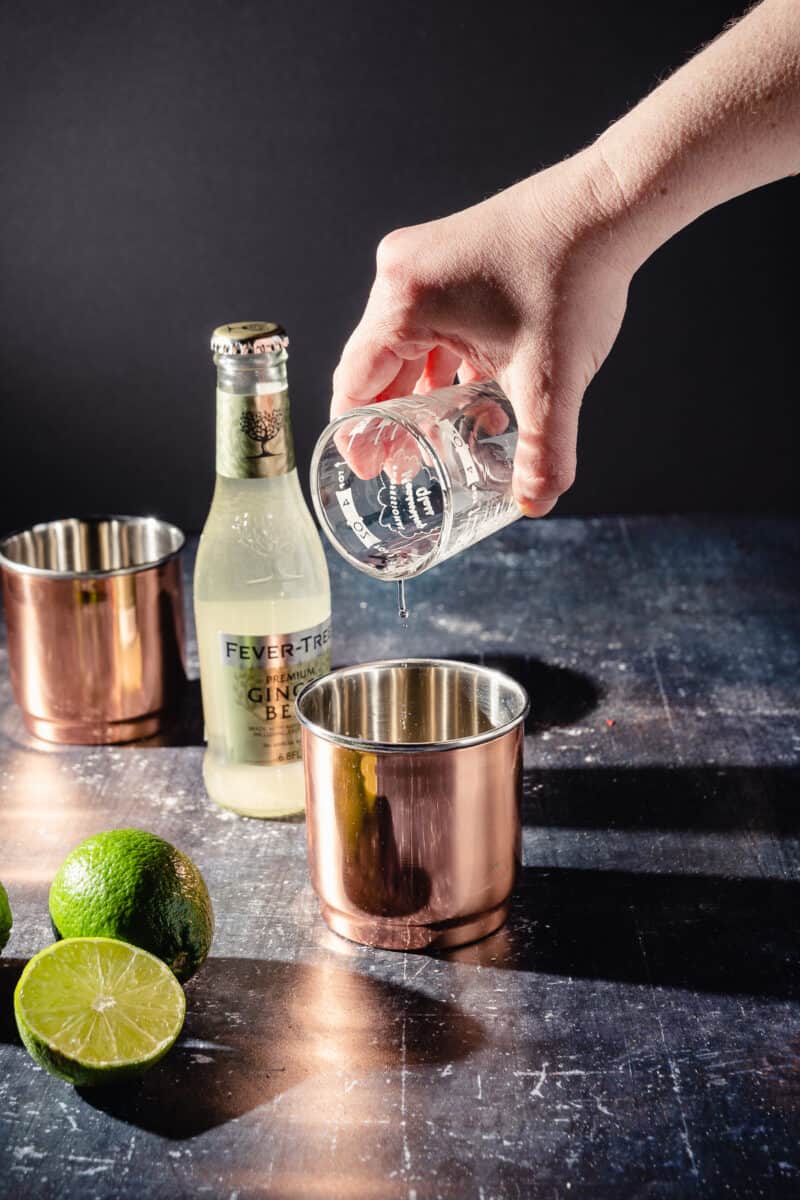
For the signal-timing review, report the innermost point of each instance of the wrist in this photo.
(650, 184)
(581, 199)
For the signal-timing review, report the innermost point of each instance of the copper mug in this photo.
(94, 613)
(413, 779)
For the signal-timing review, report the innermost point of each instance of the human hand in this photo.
(528, 288)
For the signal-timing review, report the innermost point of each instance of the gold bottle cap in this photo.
(249, 337)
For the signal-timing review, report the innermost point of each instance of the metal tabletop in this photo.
(633, 1030)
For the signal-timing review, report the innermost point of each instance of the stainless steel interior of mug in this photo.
(424, 703)
(94, 546)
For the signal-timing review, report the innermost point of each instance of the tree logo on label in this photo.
(261, 427)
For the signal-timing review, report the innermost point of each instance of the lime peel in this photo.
(5, 917)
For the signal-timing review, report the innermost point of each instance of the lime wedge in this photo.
(95, 1010)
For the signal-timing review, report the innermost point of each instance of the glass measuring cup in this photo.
(401, 485)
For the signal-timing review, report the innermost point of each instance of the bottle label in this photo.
(254, 435)
(261, 678)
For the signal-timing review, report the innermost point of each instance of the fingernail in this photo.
(535, 508)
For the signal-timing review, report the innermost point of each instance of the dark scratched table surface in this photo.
(632, 1032)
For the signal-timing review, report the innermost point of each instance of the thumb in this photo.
(547, 417)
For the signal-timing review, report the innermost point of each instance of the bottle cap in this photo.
(249, 337)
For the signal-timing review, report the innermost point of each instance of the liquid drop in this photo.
(402, 607)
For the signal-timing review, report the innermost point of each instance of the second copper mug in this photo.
(413, 779)
(94, 613)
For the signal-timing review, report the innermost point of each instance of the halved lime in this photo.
(95, 1010)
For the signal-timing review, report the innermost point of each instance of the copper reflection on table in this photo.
(48, 801)
(327, 1050)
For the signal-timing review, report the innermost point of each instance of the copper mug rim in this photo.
(455, 743)
(173, 532)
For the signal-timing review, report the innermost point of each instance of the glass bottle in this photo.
(261, 590)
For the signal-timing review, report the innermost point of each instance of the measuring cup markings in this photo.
(416, 479)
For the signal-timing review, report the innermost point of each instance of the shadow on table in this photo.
(255, 1029)
(559, 695)
(703, 798)
(187, 727)
(699, 932)
(10, 971)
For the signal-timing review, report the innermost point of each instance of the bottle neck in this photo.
(254, 431)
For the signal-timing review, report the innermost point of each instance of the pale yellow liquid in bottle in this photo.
(251, 789)
(260, 570)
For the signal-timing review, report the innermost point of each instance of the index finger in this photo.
(365, 369)
(374, 357)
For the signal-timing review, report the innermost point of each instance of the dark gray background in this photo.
(167, 167)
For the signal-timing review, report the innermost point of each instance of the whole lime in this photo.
(5, 917)
(135, 887)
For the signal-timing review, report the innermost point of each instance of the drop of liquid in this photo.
(402, 607)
